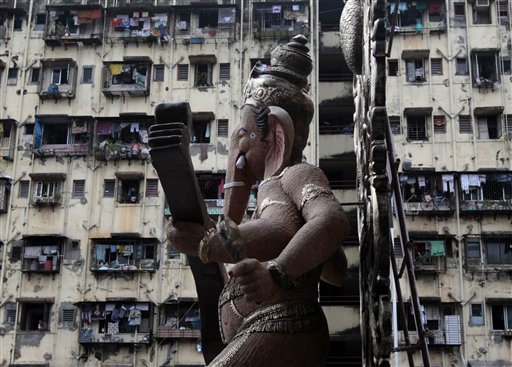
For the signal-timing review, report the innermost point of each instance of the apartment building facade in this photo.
(89, 278)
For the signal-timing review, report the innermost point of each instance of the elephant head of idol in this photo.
(274, 125)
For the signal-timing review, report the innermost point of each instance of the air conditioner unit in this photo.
(482, 3)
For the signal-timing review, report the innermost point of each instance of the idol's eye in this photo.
(252, 135)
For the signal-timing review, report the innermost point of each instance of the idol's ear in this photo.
(280, 139)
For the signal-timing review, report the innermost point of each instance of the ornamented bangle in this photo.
(204, 245)
(280, 276)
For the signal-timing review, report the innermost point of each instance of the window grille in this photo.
(182, 72)
(78, 189)
(224, 71)
(473, 248)
(394, 122)
(459, 9)
(222, 127)
(415, 70)
(465, 124)
(12, 76)
(503, 9)
(109, 188)
(34, 75)
(10, 313)
(24, 189)
(436, 66)
(508, 124)
(416, 128)
(393, 67)
(151, 187)
(67, 316)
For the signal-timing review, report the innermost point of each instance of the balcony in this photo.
(130, 255)
(62, 135)
(276, 21)
(428, 194)
(171, 332)
(131, 4)
(486, 193)
(72, 23)
(42, 254)
(126, 78)
(58, 80)
(119, 322)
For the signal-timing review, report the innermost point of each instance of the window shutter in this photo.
(16, 250)
(67, 316)
(152, 187)
(397, 247)
(393, 67)
(508, 124)
(411, 71)
(222, 128)
(78, 189)
(109, 188)
(87, 74)
(436, 66)
(465, 124)
(224, 71)
(473, 248)
(452, 329)
(394, 122)
(183, 72)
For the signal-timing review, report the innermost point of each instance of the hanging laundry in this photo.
(116, 69)
(464, 183)
(100, 252)
(448, 183)
(474, 180)
(134, 127)
(104, 128)
(38, 134)
(143, 135)
(78, 127)
(421, 181)
(95, 14)
(113, 328)
(134, 317)
(134, 22)
(116, 23)
(482, 178)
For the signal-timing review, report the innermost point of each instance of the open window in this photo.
(501, 315)
(128, 77)
(47, 188)
(58, 79)
(485, 69)
(415, 70)
(62, 136)
(488, 121)
(202, 127)
(498, 250)
(128, 187)
(124, 254)
(35, 314)
(203, 69)
(417, 127)
(491, 192)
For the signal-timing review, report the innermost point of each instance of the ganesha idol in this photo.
(268, 310)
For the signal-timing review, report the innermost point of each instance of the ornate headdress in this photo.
(284, 84)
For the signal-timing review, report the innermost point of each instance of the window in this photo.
(465, 124)
(501, 317)
(508, 124)
(201, 131)
(18, 22)
(87, 74)
(204, 75)
(10, 313)
(436, 66)
(459, 10)
(60, 76)
(173, 253)
(461, 67)
(224, 71)
(158, 73)
(128, 254)
(24, 189)
(505, 64)
(489, 127)
(222, 127)
(482, 14)
(67, 315)
(477, 314)
(394, 122)
(499, 251)
(270, 16)
(40, 22)
(182, 72)
(439, 124)
(208, 18)
(128, 190)
(47, 191)
(109, 187)
(416, 127)
(393, 67)
(210, 186)
(472, 248)
(12, 76)
(485, 68)
(34, 75)
(503, 9)
(183, 20)
(78, 189)
(35, 316)
(415, 70)
(152, 187)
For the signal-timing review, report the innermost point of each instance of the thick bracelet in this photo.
(280, 276)
(204, 245)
